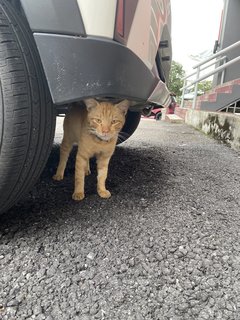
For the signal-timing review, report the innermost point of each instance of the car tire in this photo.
(131, 124)
(27, 116)
(158, 116)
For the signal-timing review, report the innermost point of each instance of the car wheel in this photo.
(27, 117)
(131, 124)
(158, 116)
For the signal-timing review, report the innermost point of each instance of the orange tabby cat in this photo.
(95, 129)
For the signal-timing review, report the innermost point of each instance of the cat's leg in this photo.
(81, 167)
(102, 168)
(88, 171)
(65, 149)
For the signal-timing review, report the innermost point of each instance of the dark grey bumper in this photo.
(80, 67)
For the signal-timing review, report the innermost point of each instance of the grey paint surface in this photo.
(54, 16)
(77, 68)
(229, 35)
(223, 100)
(165, 246)
(129, 9)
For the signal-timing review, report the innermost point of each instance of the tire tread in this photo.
(29, 115)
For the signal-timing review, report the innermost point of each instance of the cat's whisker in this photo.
(122, 136)
(120, 139)
(91, 130)
(124, 133)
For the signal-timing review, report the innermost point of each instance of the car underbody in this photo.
(56, 52)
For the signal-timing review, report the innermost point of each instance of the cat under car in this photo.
(95, 128)
(55, 53)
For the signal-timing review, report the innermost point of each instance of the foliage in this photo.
(177, 73)
(176, 76)
(205, 86)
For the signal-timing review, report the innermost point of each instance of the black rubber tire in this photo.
(158, 116)
(131, 124)
(27, 115)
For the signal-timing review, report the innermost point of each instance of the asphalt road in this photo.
(166, 245)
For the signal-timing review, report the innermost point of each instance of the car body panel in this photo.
(53, 16)
(102, 48)
(77, 68)
(145, 33)
(101, 21)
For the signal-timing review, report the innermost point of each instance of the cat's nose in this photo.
(105, 130)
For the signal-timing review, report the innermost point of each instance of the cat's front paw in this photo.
(104, 194)
(78, 196)
(58, 177)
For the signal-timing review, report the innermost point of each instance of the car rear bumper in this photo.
(81, 67)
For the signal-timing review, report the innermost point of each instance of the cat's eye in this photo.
(114, 121)
(98, 120)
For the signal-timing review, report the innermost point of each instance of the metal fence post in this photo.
(223, 71)
(183, 92)
(196, 88)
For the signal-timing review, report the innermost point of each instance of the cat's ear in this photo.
(123, 106)
(90, 103)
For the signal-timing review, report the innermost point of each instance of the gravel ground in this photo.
(166, 245)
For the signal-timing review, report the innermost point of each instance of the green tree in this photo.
(205, 85)
(176, 76)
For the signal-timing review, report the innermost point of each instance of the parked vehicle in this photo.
(157, 113)
(55, 52)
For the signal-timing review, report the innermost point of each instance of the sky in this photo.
(195, 27)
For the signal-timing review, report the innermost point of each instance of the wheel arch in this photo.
(164, 54)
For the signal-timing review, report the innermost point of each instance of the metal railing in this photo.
(233, 107)
(218, 58)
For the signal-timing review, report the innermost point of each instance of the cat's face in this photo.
(106, 119)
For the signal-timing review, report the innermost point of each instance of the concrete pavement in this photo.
(166, 245)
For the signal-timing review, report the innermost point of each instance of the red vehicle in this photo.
(154, 113)
(157, 113)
